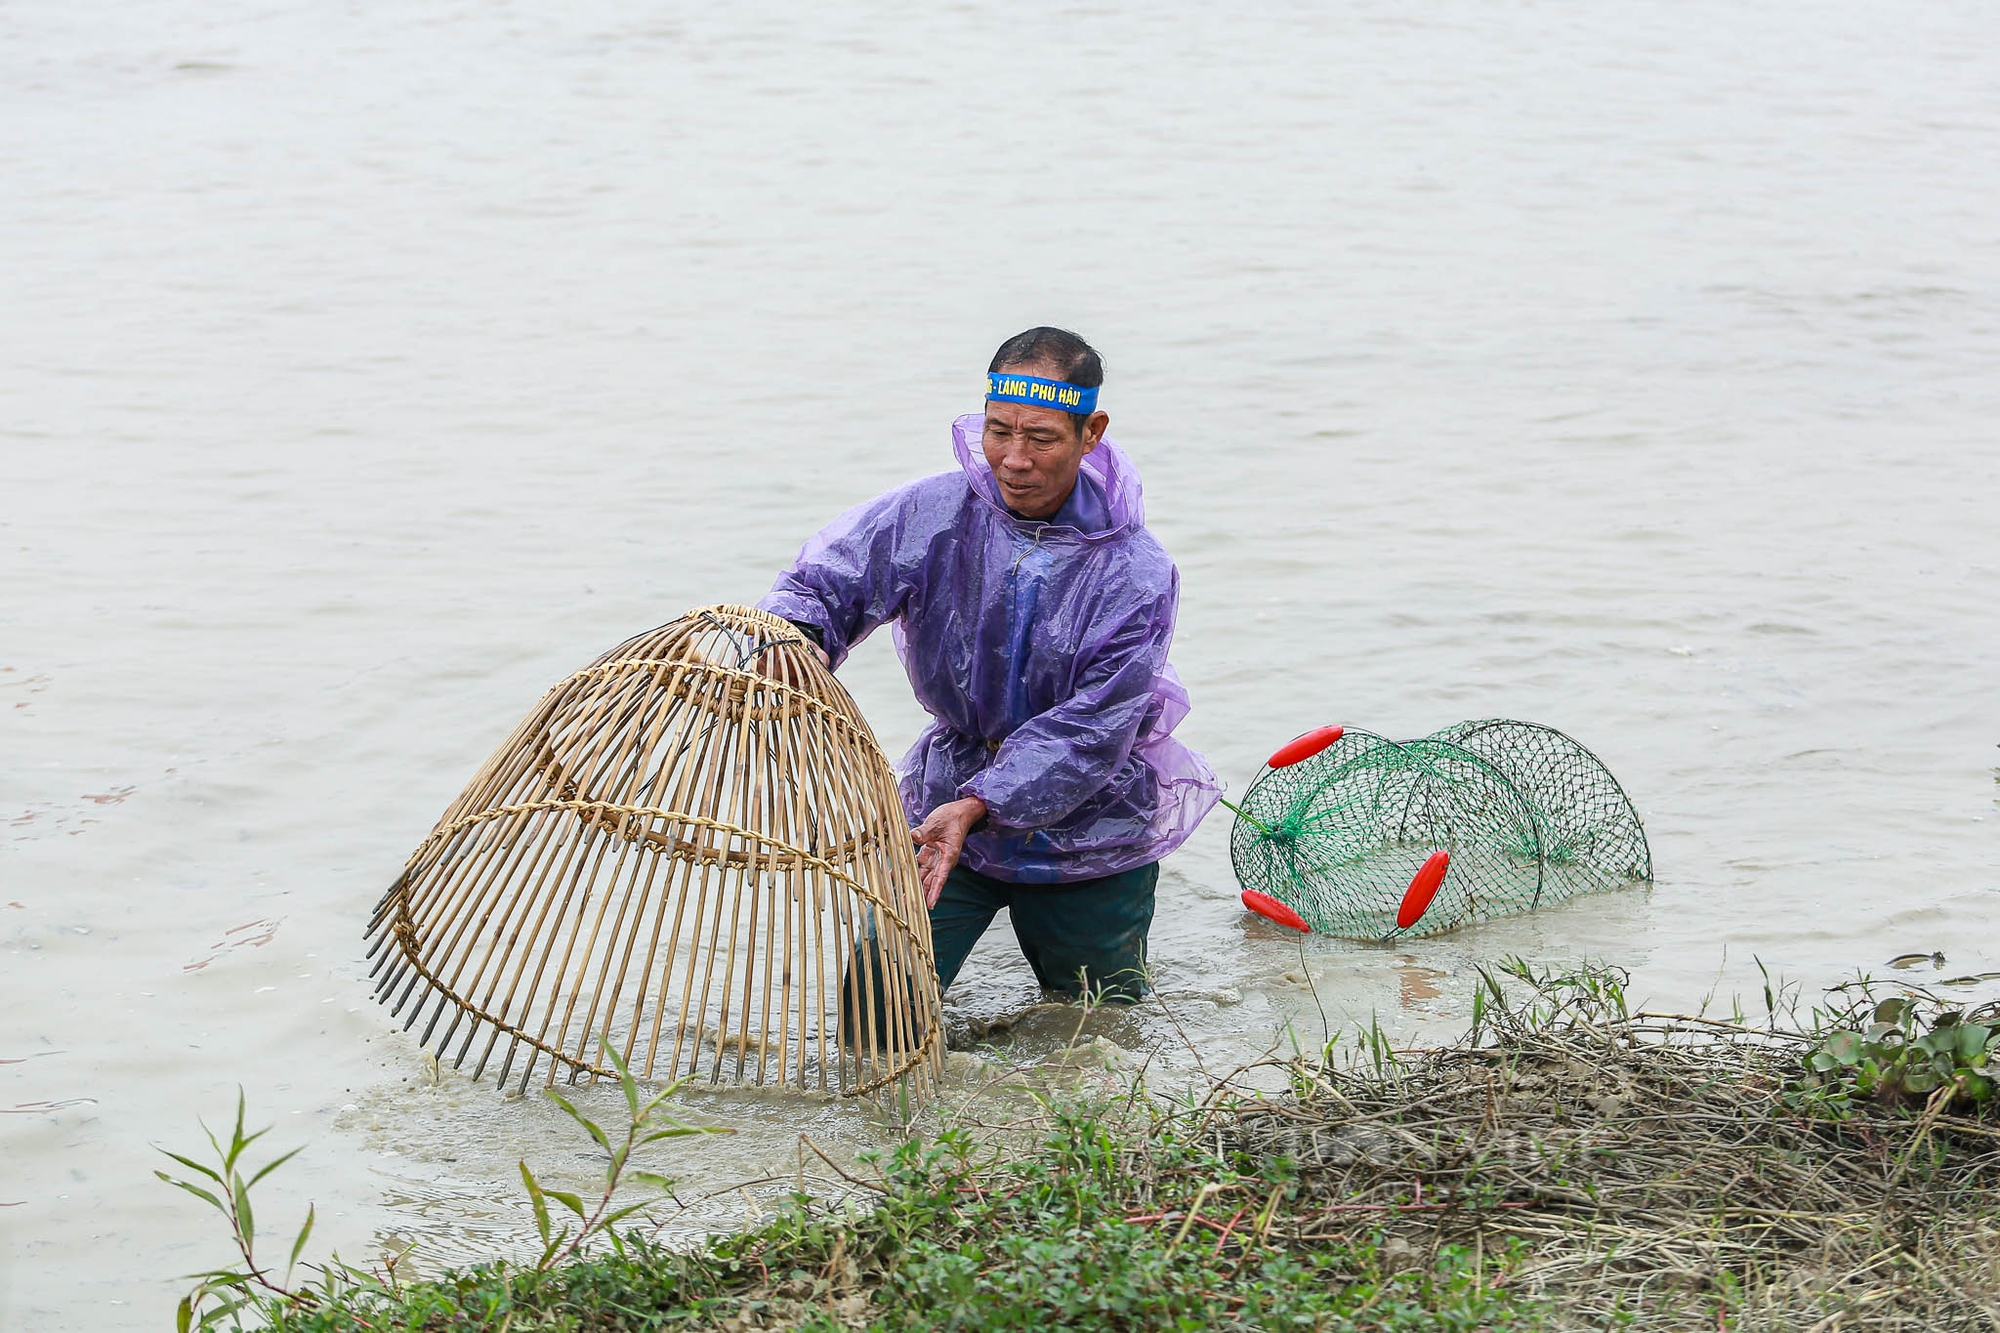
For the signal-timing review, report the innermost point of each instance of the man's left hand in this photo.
(940, 839)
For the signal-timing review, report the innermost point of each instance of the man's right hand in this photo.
(940, 839)
(762, 661)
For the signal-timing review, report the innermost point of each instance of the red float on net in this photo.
(1305, 747)
(1263, 904)
(1423, 888)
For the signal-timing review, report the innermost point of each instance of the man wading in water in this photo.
(1032, 611)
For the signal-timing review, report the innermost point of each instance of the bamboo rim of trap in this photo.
(704, 798)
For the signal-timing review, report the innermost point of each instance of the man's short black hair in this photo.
(1073, 360)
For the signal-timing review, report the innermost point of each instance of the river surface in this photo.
(369, 367)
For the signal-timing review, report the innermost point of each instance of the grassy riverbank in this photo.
(1088, 1232)
(1567, 1165)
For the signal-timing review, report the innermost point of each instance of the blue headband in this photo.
(1062, 397)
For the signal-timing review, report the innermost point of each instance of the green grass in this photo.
(1095, 1229)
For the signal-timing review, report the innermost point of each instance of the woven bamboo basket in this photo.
(692, 849)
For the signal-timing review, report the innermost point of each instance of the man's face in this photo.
(1035, 453)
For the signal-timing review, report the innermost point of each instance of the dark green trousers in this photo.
(1086, 938)
(1083, 938)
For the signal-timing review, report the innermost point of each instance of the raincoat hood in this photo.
(1107, 500)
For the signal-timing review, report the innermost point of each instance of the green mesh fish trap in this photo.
(1349, 833)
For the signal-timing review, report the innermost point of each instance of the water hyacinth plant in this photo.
(1908, 1047)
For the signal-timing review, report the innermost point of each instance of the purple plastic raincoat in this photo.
(1040, 651)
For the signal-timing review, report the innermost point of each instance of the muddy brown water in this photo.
(370, 368)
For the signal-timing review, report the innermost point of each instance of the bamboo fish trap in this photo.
(692, 849)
